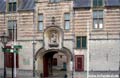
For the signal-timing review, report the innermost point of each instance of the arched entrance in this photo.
(54, 62)
(54, 53)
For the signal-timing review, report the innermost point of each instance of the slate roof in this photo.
(82, 3)
(112, 3)
(87, 3)
(24, 5)
(2, 6)
(29, 4)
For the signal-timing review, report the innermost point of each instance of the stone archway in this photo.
(44, 60)
(52, 44)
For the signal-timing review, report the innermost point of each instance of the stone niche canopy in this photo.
(53, 38)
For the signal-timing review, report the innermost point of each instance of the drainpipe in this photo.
(34, 43)
(119, 68)
(73, 31)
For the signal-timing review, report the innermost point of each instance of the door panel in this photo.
(45, 65)
(79, 62)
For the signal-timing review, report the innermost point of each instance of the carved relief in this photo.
(53, 38)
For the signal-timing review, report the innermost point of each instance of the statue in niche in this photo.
(53, 38)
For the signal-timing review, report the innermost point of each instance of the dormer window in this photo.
(12, 5)
(97, 3)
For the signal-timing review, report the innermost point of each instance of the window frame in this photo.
(98, 19)
(65, 21)
(81, 42)
(13, 7)
(12, 32)
(97, 3)
(40, 21)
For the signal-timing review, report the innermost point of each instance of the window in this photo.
(12, 30)
(54, 1)
(40, 22)
(81, 42)
(97, 3)
(12, 5)
(67, 21)
(79, 62)
(98, 19)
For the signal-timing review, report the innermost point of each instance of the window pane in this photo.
(10, 33)
(100, 2)
(14, 6)
(95, 23)
(10, 7)
(14, 24)
(97, 3)
(67, 16)
(94, 3)
(67, 24)
(84, 42)
(78, 42)
(40, 17)
(100, 14)
(40, 26)
(95, 14)
(10, 25)
(101, 23)
(12, 29)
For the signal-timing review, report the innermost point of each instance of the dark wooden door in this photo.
(47, 63)
(45, 66)
(79, 63)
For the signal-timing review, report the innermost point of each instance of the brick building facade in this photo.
(64, 36)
